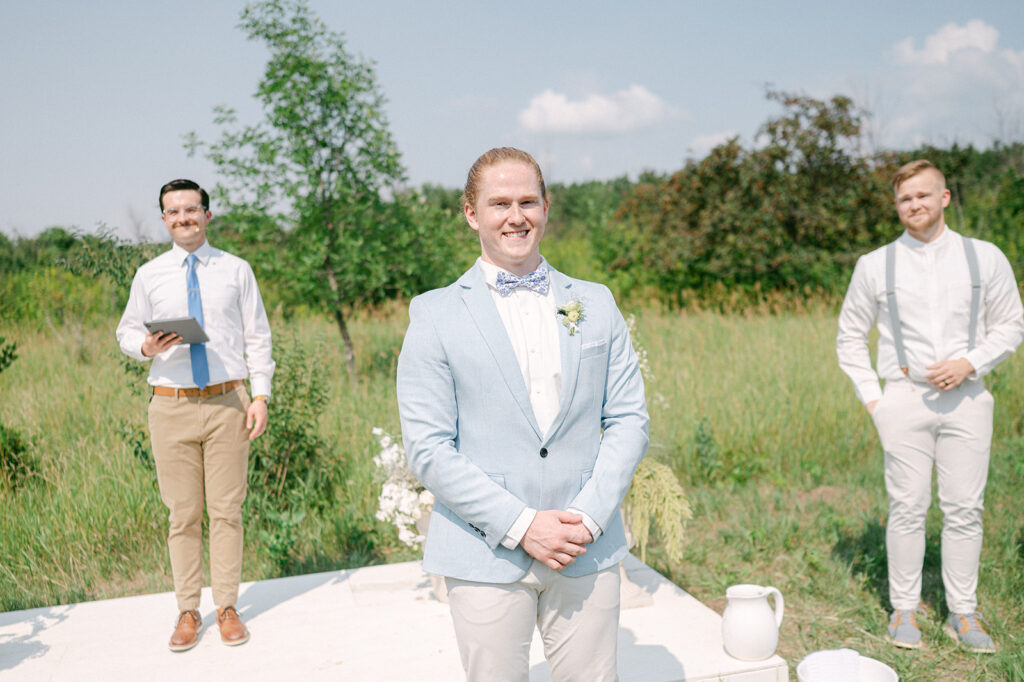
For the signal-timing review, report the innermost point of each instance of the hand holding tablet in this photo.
(185, 327)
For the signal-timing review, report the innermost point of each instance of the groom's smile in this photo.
(509, 215)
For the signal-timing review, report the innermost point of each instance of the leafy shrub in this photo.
(290, 464)
(705, 450)
(8, 353)
(50, 295)
(16, 462)
(280, 537)
(136, 439)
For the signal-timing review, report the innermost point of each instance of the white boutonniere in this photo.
(572, 315)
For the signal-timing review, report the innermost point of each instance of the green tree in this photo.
(789, 214)
(107, 256)
(1007, 223)
(323, 164)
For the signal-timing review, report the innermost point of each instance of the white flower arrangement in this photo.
(644, 363)
(403, 501)
(572, 315)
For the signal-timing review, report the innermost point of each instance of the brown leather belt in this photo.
(215, 389)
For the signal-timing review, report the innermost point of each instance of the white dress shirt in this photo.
(233, 318)
(531, 322)
(933, 295)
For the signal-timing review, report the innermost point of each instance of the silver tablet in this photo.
(185, 327)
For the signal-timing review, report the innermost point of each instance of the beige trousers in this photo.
(578, 619)
(201, 449)
(922, 430)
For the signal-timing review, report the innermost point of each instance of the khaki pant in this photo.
(578, 619)
(923, 429)
(201, 446)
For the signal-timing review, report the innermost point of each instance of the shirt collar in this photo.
(937, 244)
(203, 253)
(491, 271)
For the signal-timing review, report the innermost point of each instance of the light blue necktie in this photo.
(200, 370)
(535, 281)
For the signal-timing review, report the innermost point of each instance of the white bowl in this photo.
(843, 665)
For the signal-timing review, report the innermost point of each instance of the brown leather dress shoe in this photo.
(186, 633)
(232, 631)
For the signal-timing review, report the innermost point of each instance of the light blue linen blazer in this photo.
(472, 439)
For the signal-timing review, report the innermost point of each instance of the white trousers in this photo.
(922, 428)
(578, 619)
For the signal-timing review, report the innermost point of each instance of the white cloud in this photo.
(957, 84)
(620, 112)
(948, 40)
(703, 144)
(1014, 59)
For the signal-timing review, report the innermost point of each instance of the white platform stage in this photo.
(377, 624)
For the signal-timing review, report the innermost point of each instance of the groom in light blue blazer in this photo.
(523, 412)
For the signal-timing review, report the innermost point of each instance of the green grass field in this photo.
(787, 492)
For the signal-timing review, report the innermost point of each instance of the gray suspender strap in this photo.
(894, 313)
(972, 265)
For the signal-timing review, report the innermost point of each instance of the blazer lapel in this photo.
(570, 350)
(477, 297)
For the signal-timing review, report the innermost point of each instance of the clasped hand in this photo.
(945, 376)
(949, 374)
(556, 538)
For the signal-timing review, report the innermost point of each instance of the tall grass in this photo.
(780, 460)
(798, 498)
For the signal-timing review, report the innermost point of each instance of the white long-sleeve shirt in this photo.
(933, 295)
(532, 325)
(233, 318)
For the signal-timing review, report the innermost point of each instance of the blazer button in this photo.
(543, 452)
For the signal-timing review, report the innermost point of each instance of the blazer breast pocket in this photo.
(593, 348)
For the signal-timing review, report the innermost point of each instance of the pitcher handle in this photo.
(780, 605)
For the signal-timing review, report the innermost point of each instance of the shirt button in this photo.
(543, 452)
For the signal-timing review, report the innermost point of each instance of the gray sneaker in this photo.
(966, 630)
(903, 630)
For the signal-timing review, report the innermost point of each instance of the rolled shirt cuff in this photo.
(515, 534)
(869, 391)
(132, 346)
(259, 385)
(978, 361)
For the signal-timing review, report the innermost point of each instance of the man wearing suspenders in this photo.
(948, 311)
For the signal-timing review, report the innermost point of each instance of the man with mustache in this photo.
(201, 419)
(948, 311)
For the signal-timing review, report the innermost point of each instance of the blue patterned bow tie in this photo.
(535, 281)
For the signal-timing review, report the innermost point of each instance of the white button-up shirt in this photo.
(933, 295)
(532, 325)
(233, 318)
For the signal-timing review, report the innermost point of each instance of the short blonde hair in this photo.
(909, 170)
(492, 158)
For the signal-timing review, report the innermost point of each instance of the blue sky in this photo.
(97, 96)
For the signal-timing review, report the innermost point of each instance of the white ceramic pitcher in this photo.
(750, 628)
